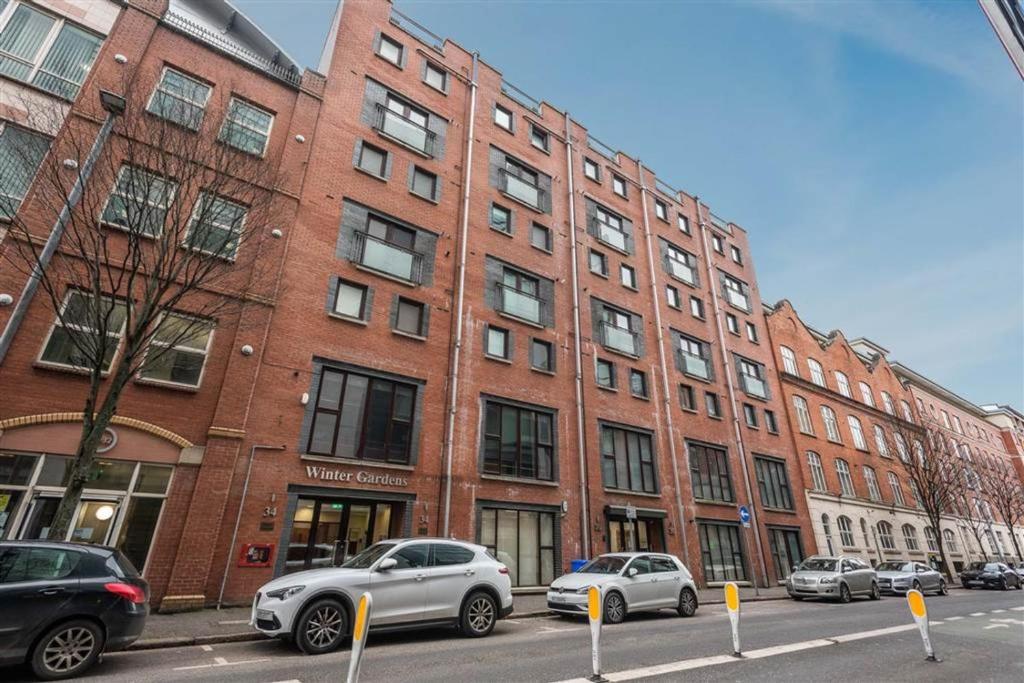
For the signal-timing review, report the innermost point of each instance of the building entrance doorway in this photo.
(328, 531)
(637, 535)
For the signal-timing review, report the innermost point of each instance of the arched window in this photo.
(916, 492)
(897, 490)
(908, 414)
(930, 540)
(887, 403)
(901, 447)
(845, 531)
(789, 360)
(845, 480)
(817, 473)
(828, 533)
(869, 476)
(949, 540)
(865, 393)
(803, 415)
(858, 433)
(910, 536)
(880, 442)
(831, 424)
(885, 536)
(817, 373)
(844, 384)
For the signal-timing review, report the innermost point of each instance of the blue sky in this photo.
(874, 152)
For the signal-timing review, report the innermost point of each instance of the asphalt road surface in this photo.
(979, 635)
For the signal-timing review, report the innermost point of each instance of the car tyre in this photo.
(67, 650)
(479, 614)
(875, 593)
(916, 585)
(321, 627)
(942, 588)
(844, 593)
(1002, 584)
(687, 603)
(614, 608)
(798, 598)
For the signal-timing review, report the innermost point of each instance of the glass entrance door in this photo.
(639, 535)
(326, 532)
(94, 521)
(786, 551)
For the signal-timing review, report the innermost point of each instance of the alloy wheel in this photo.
(942, 588)
(614, 608)
(324, 626)
(844, 593)
(481, 614)
(68, 649)
(687, 603)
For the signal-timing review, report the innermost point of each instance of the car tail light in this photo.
(127, 591)
(503, 569)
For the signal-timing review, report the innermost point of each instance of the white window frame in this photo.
(803, 415)
(885, 536)
(828, 416)
(228, 119)
(193, 219)
(817, 471)
(874, 493)
(845, 526)
(845, 478)
(175, 347)
(202, 105)
(857, 431)
(910, 536)
(789, 360)
(897, 490)
(843, 382)
(880, 442)
(58, 323)
(817, 372)
(866, 394)
(887, 405)
(113, 192)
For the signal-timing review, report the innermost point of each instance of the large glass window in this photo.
(788, 360)
(180, 99)
(803, 415)
(518, 442)
(627, 460)
(721, 552)
(246, 127)
(139, 202)
(752, 378)
(844, 384)
(695, 358)
(86, 331)
(21, 152)
(786, 549)
(880, 443)
(872, 481)
(178, 351)
(885, 536)
(845, 480)
(736, 292)
(773, 483)
(709, 473)
(857, 432)
(866, 395)
(523, 540)
(817, 373)
(897, 490)
(216, 226)
(817, 472)
(845, 531)
(681, 264)
(828, 416)
(362, 417)
(44, 50)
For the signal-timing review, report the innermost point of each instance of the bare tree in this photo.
(161, 240)
(1003, 489)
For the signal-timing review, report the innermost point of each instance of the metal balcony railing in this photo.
(602, 149)
(404, 130)
(519, 304)
(683, 271)
(520, 188)
(754, 386)
(737, 298)
(512, 92)
(385, 257)
(694, 365)
(417, 30)
(618, 338)
(610, 235)
(720, 223)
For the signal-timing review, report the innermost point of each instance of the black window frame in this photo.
(365, 289)
(421, 308)
(508, 342)
(713, 404)
(641, 376)
(728, 554)
(710, 478)
(537, 131)
(516, 467)
(773, 483)
(546, 246)
(550, 347)
(687, 398)
(613, 380)
(380, 173)
(648, 471)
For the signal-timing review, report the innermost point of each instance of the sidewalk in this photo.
(232, 623)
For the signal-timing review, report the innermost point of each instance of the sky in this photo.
(874, 152)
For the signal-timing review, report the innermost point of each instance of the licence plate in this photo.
(557, 598)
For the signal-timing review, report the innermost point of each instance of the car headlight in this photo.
(828, 579)
(285, 593)
(583, 591)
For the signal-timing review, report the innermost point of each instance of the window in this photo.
(540, 237)
(859, 442)
(845, 480)
(591, 170)
(139, 202)
(817, 374)
(373, 160)
(423, 184)
(888, 406)
(844, 384)
(696, 307)
(709, 473)
(880, 443)
(687, 399)
(930, 540)
(391, 50)
(732, 323)
(712, 404)
(684, 223)
(672, 297)
(25, 563)
(521, 183)
(872, 480)
(539, 137)
(660, 209)
(598, 263)
(447, 555)
(788, 360)
(949, 540)
(60, 68)
(519, 295)
(897, 490)
(956, 420)
(866, 395)
(752, 377)
(916, 493)
(412, 556)
(178, 350)
(606, 374)
(83, 317)
(216, 226)
(885, 536)
(628, 276)
(627, 460)
(831, 424)
(716, 243)
(752, 332)
(770, 422)
(901, 447)
(616, 330)
(362, 417)
(618, 185)
(497, 343)
(681, 265)
(246, 127)
(736, 292)
(409, 317)
(845, 531)
(721, 552)
(803, 415)
(435, 76)
(908, 414)
(910, 536)
(945, 419)
(542, 355)
(773, 483)
(695, 358)
(522, 540)
(638, 383)
(817, 472)
(736, 254)
(180, 99)
(503, 117)
(350, 300)
(501, 219)
(387, 247)
(750, 415)
(406, 124)
(609, 229)
(518, 442)
(21, 152)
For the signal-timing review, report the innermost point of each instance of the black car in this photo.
(63, 604)
(990, 575)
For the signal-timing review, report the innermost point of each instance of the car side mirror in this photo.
(796, 568)
(631, 572)
(386, 564)
(847, 569)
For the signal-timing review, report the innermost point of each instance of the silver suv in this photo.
(839, 578)
(420, 581)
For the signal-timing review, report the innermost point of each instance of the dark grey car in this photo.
(898, 577)
(837, 578)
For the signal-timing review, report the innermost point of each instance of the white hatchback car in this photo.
(631, 582)
(416, 582)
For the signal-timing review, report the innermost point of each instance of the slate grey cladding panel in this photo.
(627, 225)
(493, 272)
(497, 159)
(376, 93)
(332, 293)
(636, 322)
(354, 219)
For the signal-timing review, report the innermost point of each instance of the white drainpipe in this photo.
(666, 393)
(580, 438)
(732, 394)
(460, 296)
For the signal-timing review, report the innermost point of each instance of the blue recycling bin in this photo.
(577, 565)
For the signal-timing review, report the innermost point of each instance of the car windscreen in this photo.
(895, 567)
(817, 564)
(604, 565)
(993, 568)
(366, 558)
(976, 566)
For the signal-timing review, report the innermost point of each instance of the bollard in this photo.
(595, 610)
(732, 603)
(917, 607)
(359, 631)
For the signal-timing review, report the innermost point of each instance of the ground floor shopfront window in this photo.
(327, 531)
(721, 551)
(524, 540)
(786, 549)
(643, 534)
(120, 505)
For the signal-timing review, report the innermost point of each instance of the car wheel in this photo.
(917, 585)
(479, 613)
(1002, 584)
(687, 603)
(67, 650)
(798, 598)
(875, 593)
(321, 627)
(844, 593)
(942, 588)
(614, 609)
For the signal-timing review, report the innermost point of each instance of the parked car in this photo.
(63, 604)
(899, 577)
(990, 575)
(1017, 567)
(414, 582)
(839, 578)
(632, 582)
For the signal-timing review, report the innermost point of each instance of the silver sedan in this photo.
(899, 577)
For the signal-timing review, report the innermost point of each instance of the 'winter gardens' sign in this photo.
(359, 476)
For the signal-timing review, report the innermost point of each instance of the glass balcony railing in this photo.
(406, 131)
(695, 365)
(737, 298)
(618, 338)
(682, 271)
(519, 304)
(382, 256)
(610, 235)
(754, 386)
(521, 189)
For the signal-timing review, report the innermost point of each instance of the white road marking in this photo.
(953, 618)
(998, 611)
(1018, 609)
(977, 614)
(995, 626)
(233, 622)
(849, 637)
(290, 680)
(220, 661)
(1008, 621)
(206, 648)
(550, 629)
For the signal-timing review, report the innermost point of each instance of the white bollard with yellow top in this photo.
(732, 604)
(359, 631)
(595, 610)
(917, 608)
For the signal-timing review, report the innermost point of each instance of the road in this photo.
(979, 635)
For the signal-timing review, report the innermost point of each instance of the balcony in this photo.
(519, 304)
(754, 386)
(404, 130)
(390, 259)
(519, 188)
(695, 365)
(737, 298)
(619, 339)
(682, 271)
(611, 236)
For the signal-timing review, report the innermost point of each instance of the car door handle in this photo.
(51, 590)
(420, 577)
(470, 572)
